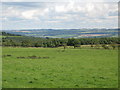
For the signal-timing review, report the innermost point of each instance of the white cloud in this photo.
(52, 21)
(11, 11)
(64, 12)
(89, 9)
(29, 14)
(61, 17)
(59, 0)
(60, 9)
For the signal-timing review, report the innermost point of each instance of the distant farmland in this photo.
(67, 33)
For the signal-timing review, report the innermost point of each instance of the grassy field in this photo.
(55, 68)
(8, 36)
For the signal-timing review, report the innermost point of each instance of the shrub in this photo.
(105, 46)
(113, 46)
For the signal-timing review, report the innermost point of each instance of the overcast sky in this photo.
(72, 14)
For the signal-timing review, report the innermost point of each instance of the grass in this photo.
(2, 36)
(73, 68)
(8, 36)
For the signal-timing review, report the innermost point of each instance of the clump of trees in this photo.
(8, 34)
(73, 42)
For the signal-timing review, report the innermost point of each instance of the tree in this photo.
(73, 42)
(25, 43)
(64, 45)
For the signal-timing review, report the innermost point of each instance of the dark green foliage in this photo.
(25, 41)
(8, 34)
(105, 46)
(73, 42)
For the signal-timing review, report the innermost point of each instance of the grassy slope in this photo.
(73, 68)
(8, 36)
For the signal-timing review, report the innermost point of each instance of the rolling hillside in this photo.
(66, 33)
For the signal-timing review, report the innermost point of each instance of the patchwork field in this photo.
(56, 68)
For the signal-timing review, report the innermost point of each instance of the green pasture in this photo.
(9, 36)
(58, 68)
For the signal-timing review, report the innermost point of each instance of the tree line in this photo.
(8, 34)
(41, 42)
(25, 41)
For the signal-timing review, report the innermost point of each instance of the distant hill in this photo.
(66, 33)
(8, 34)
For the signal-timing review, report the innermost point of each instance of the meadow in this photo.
(58, 68)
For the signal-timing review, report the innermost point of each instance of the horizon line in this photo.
(56, 28)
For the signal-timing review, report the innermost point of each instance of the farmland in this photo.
(58, 68)
(66, 33)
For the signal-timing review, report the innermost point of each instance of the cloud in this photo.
(34, 14)
(29, 14)
(89, 9)
(61, 17)
(59, 0)
(66, 14)
(19, 12)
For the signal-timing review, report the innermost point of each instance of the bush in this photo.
(97, 46)
(113, 46)
(105, 46)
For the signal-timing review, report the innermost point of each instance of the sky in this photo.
(17, 14)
